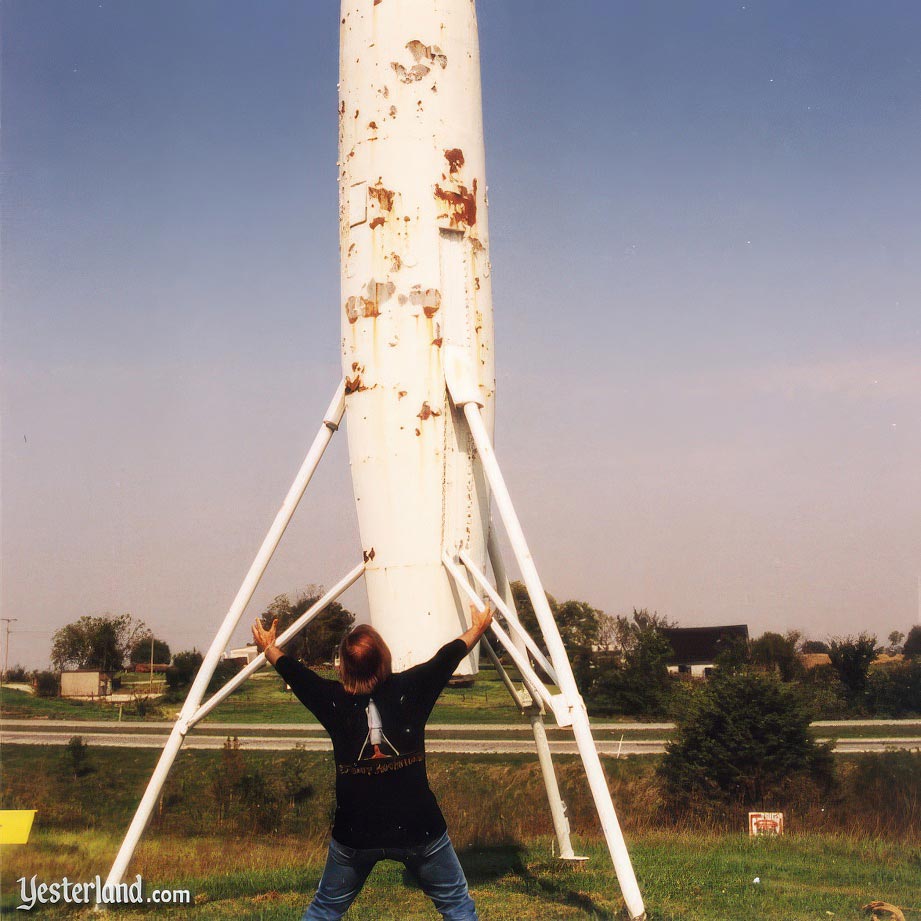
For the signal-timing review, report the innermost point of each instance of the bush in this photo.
(182, 671)
(744, 739)
(634, 680)
(16, 674)
(895, 690)
(911, 648)
(225, 670)
(46, 684)
(851, 658)
(77, 757)
(825, 693)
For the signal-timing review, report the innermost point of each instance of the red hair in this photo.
(364, 660)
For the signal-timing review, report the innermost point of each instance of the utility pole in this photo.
(150, 683)
(6, 644)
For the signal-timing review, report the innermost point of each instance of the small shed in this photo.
(694, 649)
(244, 654)
(85, 683)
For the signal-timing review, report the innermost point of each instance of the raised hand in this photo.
(264, 638)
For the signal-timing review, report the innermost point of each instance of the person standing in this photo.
(385, 809)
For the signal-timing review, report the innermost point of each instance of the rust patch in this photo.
(369, 554)
(427, 412)
(354, 384)
(393, 111)
(418, 432)
(396, 263)
(401, 394)
(438, 342)
(425, 57)
(455, 158)
(409, 75)
(461, 204)
(383, 197)
(372, 126)
(476, 283)
(376, 222)
(431, 302)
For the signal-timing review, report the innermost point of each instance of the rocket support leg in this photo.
(536, 718)
(558, 656)
(197, 692)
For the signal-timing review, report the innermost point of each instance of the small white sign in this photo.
(765, 823)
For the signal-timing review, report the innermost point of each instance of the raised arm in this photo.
(314, 692)
(479, 624)
(429, 678)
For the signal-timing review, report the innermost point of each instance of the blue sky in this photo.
(707, 293)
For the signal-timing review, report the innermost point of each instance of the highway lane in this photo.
(444, 744)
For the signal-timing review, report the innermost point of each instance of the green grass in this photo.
(865, 845)
(683, 878)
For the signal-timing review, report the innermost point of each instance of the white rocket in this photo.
(414, 254)
(419, 385)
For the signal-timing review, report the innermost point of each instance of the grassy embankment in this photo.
(262, 859)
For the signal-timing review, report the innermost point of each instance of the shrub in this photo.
(77, 756)
(46, 684)
(911, 648)
(634, 680)
(16, 674)
(825, 693)
(182, 671)
(225, 670)
(895, 690)
(851, 658)
(743, 739)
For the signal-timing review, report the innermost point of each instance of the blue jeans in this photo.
(435, 866)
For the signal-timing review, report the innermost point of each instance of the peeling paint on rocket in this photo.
(414, 250)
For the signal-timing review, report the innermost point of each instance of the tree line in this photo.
(620, 662)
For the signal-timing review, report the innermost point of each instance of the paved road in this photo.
(502, 728)
(145, 739)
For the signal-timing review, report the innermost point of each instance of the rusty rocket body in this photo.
(414, 253)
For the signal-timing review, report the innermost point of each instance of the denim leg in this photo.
(442, 879)
(343, 876)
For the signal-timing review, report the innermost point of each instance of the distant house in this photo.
(813, 660)
(85, 683)
(244, 654)
(694, 649)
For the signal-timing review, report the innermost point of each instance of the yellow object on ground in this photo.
(15, 825)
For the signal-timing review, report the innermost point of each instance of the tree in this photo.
(95, 642)
(743, 736)
(578, 623)
(911, 648)
(184, 667)
(633, 679)
(771, 650)
(140, 651)
(526, 615)
(319, 640)
(895, 642)
(813, 647)
(851, 658)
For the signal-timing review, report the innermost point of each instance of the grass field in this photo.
(866, 843)
(263, 699)
(684, 878)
